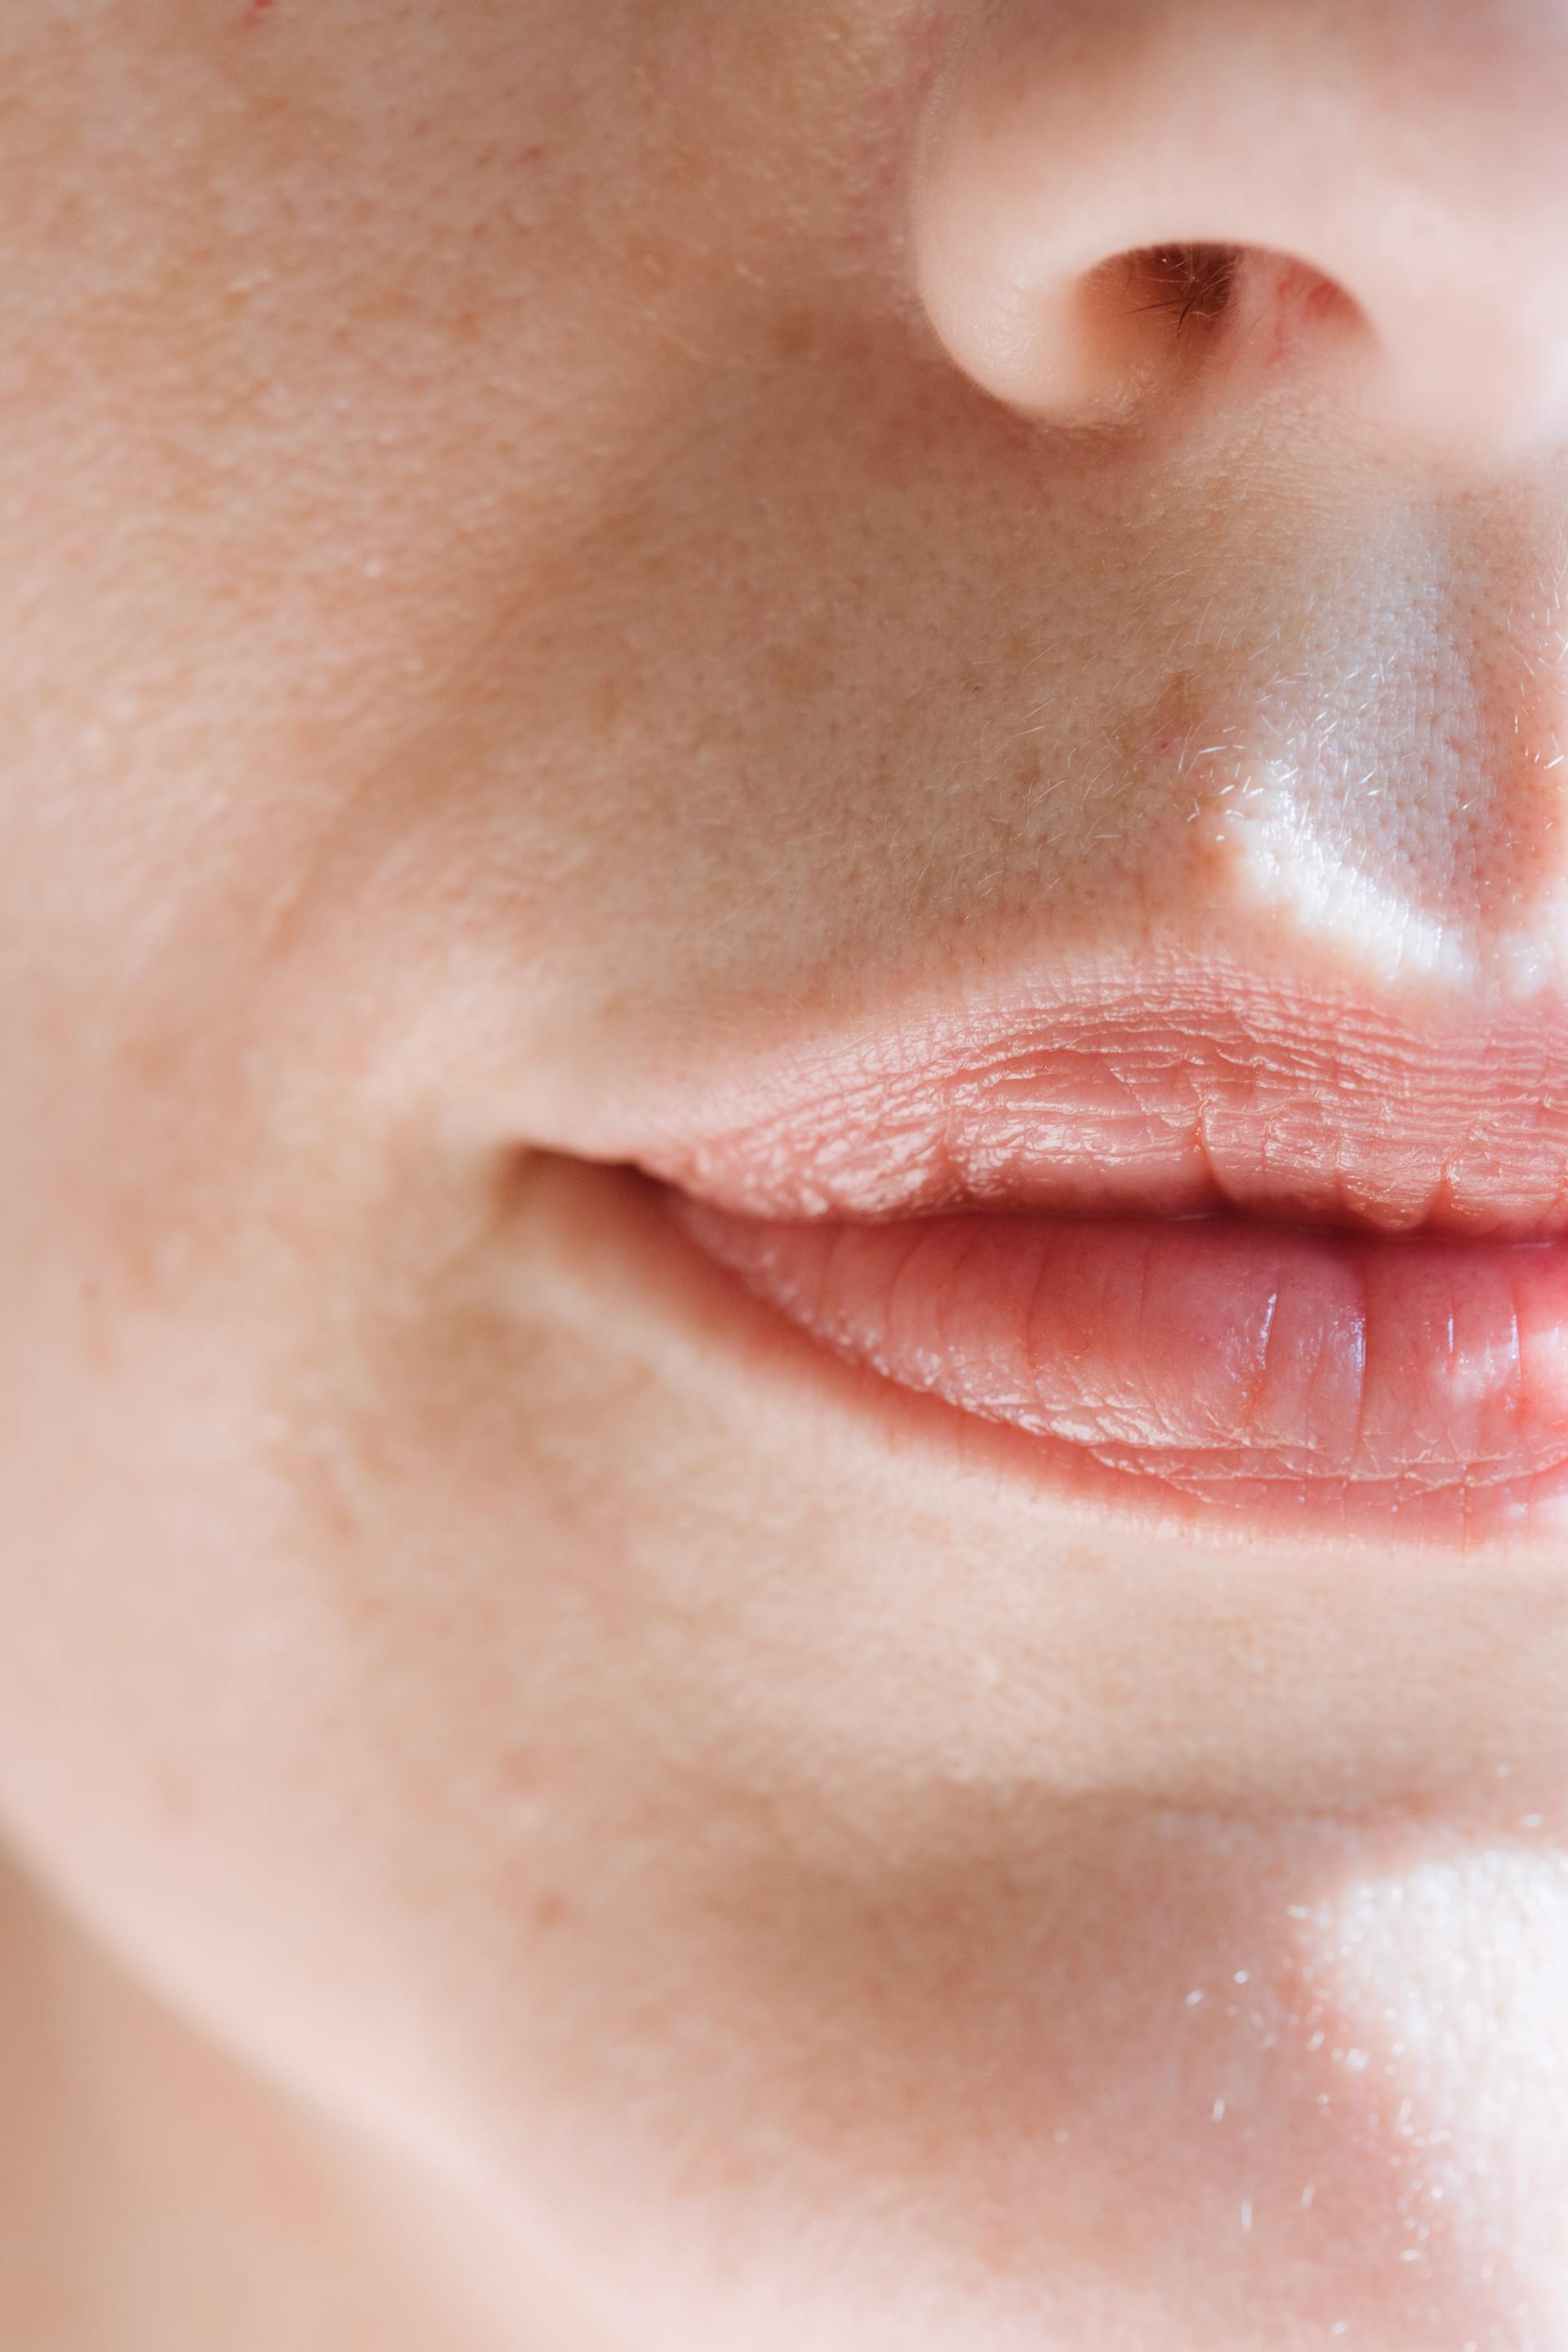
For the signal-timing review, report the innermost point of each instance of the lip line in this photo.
(1181, 1090)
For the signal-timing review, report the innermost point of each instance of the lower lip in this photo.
(1209, 1368)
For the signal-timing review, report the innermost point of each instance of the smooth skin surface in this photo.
(552, 545)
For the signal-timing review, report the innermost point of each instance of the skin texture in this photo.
(552, 548)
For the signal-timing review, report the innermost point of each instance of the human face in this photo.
(587, 578)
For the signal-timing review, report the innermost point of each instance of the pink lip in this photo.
(1214, 1243)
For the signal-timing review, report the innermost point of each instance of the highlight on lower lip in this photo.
(1387, 1385)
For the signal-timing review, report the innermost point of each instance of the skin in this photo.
(537, 564)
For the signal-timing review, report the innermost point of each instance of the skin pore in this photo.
(557, 548)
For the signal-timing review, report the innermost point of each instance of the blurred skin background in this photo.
(548, 556)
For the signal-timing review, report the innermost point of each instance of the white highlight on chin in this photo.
(1453, 1974)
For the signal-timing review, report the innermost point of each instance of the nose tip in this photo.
(1368, 195)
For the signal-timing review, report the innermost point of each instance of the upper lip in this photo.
(1174, 1090)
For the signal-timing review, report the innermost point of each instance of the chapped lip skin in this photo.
(1222, 1246)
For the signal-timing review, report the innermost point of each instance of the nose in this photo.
(1115, 196)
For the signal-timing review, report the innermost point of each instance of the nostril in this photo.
(1156, 315)
(1144, 318)
(1184, 216)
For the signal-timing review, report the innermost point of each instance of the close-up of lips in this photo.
(784, 1032)
(1273, 1254)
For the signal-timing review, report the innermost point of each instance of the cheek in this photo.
(409, 1684)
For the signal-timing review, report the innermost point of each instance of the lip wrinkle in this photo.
(1179, 1090)
(1229, 1360)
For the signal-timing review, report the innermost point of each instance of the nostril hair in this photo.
(1192, 282)
(1155, 298)
(1152, 315)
